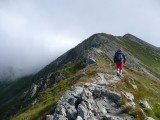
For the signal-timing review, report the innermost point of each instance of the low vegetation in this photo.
(147, 89)
(49, 97)
(11, 92)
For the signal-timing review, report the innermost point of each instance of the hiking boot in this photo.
(118, 74)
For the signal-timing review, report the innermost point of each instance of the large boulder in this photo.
(32, 90)
(90, 102)
(129, 97)
(89, 60)
(83, 112)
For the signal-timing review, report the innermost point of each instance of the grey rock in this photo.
(128, 95)
(54, 77)
(144, 104)
(134, 87)
(79, 118)
(60, 113)
(35, 102)
(90, 102)
(71, 112)
(49, 117)
(83, 74)
(105, 79)
(83, 112)
(114, 96)
(107, 93)
(72, 101)
(150, 118)
(30, 94)
(89, 60)
(33, 90)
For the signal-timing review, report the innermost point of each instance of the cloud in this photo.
(29, 39)
(35, 32)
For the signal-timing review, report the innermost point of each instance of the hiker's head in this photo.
(119, 49)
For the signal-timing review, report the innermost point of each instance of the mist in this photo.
(35, 32)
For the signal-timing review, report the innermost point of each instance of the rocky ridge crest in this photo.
(94, 101)
(89, 102)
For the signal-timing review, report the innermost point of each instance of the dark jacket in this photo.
(118, 52)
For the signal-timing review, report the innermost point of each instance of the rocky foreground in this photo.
(92, 101)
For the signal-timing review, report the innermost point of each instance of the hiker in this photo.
(119, 59)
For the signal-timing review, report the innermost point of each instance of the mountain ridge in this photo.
(82, 64)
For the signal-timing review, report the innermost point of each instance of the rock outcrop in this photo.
(144, 104)
(90, 102)
(89, 60)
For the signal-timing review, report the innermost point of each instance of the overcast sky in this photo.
(35, 32)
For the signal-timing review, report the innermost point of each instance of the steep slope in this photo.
(147, 53)
(84, 63)
(10, 91)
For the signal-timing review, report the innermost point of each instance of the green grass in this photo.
(148, 89)
(48, 98)
(11, 92)
(144, 53)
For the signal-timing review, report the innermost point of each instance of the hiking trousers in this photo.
(119, 65)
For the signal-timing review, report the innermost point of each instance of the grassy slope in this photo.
(49, 97)
(10, 93)
(148, 89)
(145, 53)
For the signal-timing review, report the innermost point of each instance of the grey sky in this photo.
(34, 32)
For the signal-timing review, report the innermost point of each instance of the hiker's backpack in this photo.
(119, 57)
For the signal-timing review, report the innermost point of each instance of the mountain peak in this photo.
(130, 36)
(53, 90)
(138, 40)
